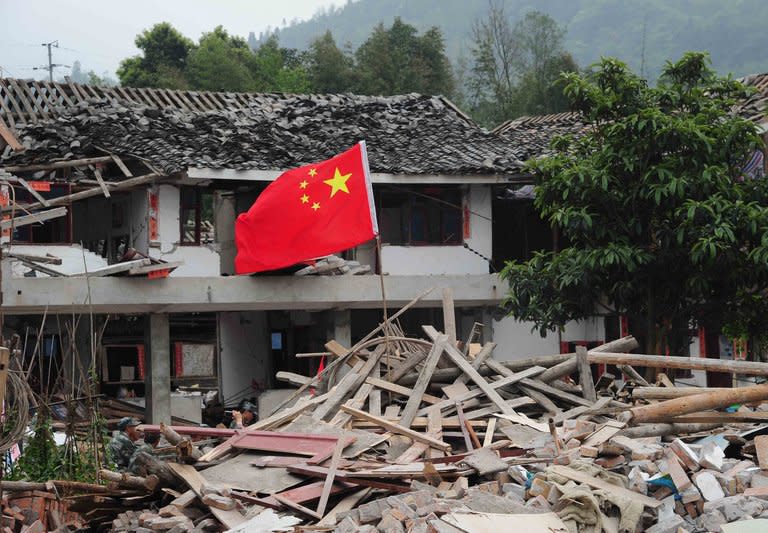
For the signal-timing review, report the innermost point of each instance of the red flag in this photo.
(308, 212)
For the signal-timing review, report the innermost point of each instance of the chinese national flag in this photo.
(308, 212)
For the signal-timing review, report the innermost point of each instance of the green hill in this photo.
(731, 30)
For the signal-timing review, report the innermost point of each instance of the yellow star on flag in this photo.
(304, 199)
(313, 172)
(316, 206)
(338, 182)
(303, 184)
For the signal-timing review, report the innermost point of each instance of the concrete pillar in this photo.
(158, 365)
(342, 327)
(487, 324)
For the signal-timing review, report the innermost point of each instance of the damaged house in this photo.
(118, 234)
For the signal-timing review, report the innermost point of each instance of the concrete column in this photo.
(487, 324)
(342, 327)
(158, 365)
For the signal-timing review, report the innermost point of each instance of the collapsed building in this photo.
(118, 232)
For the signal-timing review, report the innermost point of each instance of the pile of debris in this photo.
(430, 434)
(333, 265)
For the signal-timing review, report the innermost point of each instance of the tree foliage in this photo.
(163, 60)
(516, 66)
(396, 60)
(659, 221)
(218, 62)
(331, 70)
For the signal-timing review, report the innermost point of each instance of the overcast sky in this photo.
(100, 33)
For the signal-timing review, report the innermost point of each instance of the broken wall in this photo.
(197, 260)
(244, 352)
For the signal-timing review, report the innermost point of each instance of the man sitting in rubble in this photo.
(123, 443)
(243, 417)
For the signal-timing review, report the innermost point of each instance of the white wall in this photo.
(515, 340)
(198, 260)
(244, 351)
(419, 260)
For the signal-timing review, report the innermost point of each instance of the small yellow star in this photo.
(313, 172)
(304, 184)
(338, 182)
(316, 206)
(304, 199)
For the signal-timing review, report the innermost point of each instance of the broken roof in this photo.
(175, 130)
(532, 135)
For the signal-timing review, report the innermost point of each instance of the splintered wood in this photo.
(427, 434)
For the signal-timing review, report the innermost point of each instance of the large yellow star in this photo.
(339, 182)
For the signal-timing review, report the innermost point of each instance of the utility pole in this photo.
(51, 65)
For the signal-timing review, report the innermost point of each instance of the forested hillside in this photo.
(733, 31)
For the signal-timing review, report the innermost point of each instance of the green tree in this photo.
(277, 69)
(515, 67)
(330, 69)
(397, 60)
(659, 221)
(221, 62)
(163, 60)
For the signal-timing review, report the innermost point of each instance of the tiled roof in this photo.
(530, 136)
(755, 108)
(175, 130)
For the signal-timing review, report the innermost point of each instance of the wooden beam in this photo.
(33, 218)
(698, 402)
(332, 468)
(399, 389)
(397, 428)
(691, 363)
(65, 200)
(458, 359)
(58, 164)
(124, 169)
(585, 375)
(32, 191)
(414, 401)
(97, 173)
(499, 383)
(9, 137)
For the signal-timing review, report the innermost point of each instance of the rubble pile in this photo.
(272, 132)
(432, 434)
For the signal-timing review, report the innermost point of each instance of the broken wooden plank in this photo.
(414, 401)
(399, 389)
(503, 382)
(33, 218)
(36, 195)
(397, 428)
(100, 180)
(195, 481)
(585, 374)
(458, 358)
(332, 468)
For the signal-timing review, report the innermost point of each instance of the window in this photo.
(421, 216)
(196, 216)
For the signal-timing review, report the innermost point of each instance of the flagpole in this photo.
(385, 330)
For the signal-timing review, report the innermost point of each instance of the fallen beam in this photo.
(691, 363)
